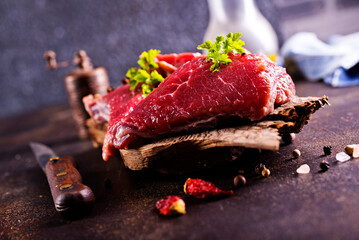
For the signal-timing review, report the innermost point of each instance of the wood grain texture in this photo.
(179, 153)
(172, 153)
(67, 189)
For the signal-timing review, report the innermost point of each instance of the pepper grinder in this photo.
(82, 81)
(242, 16)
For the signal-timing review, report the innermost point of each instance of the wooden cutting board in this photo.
(206, 149)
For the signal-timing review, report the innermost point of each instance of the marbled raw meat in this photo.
(193, 96)
(113, 105)
(122, 100)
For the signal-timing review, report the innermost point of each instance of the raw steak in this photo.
(193, 97)
(122, 101)
(113, 105)
(168, 63)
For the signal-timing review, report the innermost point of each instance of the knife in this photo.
(68, 192)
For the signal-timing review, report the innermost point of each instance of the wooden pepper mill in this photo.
(82, 81)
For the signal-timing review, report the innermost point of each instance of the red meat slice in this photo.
(113, 105)
(193, 96)
(168, 63)
(177, 59)
(122, 101)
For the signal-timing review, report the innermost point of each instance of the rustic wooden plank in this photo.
(262, 135)
(295, 113)
(245, 136)
(96, 132)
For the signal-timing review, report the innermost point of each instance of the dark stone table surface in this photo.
(285, 205)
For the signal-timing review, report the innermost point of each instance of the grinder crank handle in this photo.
(67, 189)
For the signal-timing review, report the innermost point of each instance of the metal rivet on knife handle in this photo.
(54, 159)
(61, 174)
(66, 186)
(67, 189)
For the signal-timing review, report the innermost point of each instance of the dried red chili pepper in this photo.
(202, 189)
(171, 205)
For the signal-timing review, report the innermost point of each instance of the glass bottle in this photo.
(242, 16)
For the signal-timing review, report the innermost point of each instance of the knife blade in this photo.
(67, 189)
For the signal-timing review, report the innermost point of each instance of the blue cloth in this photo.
(336, 62)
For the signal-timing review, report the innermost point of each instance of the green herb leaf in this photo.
(146, 73)
(131, 73)
(147, 59)
(218, 51)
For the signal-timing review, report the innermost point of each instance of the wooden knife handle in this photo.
(66, 185)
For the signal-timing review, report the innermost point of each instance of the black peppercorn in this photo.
(109, 89)
(239, 181)
(288, 138)
(324, 165)
(327, 150)
(296, 153)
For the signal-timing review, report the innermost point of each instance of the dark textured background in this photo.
(113, 33)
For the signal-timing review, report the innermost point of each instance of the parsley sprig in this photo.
(146, 73)
(218, 51)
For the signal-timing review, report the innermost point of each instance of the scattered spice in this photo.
(265, 172)
(288, 138)
(327, 150)
(303, 169)
(259, 168)
(352, 150)
(296, 153)
(109, 89)
(324, 165)
(199, 188)
(171, 205)
(239, 181)
(342, 157)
